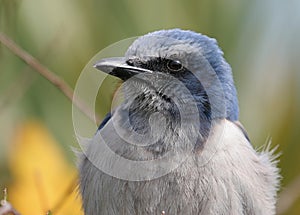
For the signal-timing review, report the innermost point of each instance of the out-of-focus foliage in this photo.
(259, 39)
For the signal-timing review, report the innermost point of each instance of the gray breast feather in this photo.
(234, 180)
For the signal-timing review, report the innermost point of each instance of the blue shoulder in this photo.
(105, 120)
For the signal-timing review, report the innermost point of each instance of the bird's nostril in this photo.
(166, 98)
(130, 62)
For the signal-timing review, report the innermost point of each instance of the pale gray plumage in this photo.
(220, 174)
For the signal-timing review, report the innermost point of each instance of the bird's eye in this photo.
(174, 65)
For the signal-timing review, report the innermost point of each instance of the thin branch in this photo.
(46, 73)
(17, 89)
(288, 196)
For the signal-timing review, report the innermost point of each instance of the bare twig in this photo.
(23, 83)
(46, 73)
(288, 196)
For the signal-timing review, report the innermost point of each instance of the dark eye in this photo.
(174, 65)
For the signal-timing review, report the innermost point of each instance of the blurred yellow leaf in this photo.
(42, 178)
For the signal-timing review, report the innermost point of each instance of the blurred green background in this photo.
(260, 40)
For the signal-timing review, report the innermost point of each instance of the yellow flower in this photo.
(42, 178)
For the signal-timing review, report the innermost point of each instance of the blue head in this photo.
(163, 59)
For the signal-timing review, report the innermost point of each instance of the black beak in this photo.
(118, 67)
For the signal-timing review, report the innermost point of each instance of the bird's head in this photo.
(167, 66)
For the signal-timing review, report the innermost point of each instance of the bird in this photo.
(174, 144)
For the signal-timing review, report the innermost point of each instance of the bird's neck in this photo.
(143, 116)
